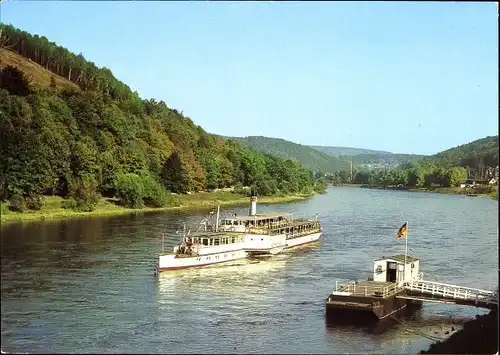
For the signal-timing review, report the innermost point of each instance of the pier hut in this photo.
(396, 269)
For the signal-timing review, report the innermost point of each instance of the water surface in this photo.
(86, 285)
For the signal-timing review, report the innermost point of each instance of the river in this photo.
(87, 285)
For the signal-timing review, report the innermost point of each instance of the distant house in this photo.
(463, 185)
(492, 181)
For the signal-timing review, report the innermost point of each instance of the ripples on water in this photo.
(86, 285)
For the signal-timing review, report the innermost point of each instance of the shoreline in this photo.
(476, 336)
(107, 206)
(442, 190)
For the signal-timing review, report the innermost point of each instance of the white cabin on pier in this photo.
(393, 269)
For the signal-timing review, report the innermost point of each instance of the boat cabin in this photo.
(394, 269)
(192, 244)
(243, 223)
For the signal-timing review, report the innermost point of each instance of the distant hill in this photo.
(319, 159)
(368, 158)
(339, 151)
(384, 160)
(306, 156)
(483, 151)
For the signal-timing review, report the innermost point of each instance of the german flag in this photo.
(401, 232)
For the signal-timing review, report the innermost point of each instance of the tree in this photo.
(15, 81)
(456, 176)
(175, 174)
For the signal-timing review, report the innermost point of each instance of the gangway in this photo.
(419, 289)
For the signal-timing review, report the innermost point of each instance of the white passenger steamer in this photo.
(238, 237)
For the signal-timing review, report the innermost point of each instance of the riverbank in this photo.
(108, 206)
(473, 192)
(491, 192)
(478, 336)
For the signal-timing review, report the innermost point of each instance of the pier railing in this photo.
(361, 290)
(452, 291)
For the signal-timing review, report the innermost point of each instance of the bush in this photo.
(130, 190)
(83, 206)
(155, 194)
(70, 203)
(35, 202)
(84, 192)
(484, 189)
(320, 186)
(285, 188)
(17, 203)
(307, 190)
(239, 189)
(266, 187)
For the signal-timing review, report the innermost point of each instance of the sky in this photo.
(405, 77)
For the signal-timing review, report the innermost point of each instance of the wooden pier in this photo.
(367, 299)
(397, 285)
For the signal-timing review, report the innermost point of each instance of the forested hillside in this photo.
(308, 157)
(474, 154)
(87, 134)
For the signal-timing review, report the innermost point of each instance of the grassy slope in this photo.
(200, 201)
(38, 74)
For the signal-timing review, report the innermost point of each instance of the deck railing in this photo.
(381, 291)
(295, 230)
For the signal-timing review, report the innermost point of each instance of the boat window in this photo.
(216, 241)
(204, 241)
(233, 239)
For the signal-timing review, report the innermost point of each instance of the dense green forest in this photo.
(95, 137)
(475, 160)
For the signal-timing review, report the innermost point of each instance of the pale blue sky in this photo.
(404, 77)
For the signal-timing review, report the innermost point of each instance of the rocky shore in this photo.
(478, 336)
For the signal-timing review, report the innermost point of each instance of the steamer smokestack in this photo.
(253, 206)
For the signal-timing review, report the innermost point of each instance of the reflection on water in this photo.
(87, 285)
(231, 279)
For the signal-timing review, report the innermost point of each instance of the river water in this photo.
(86, 285)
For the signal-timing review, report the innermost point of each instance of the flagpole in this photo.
(406, 252)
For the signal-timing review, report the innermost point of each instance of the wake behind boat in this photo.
(236, 237)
